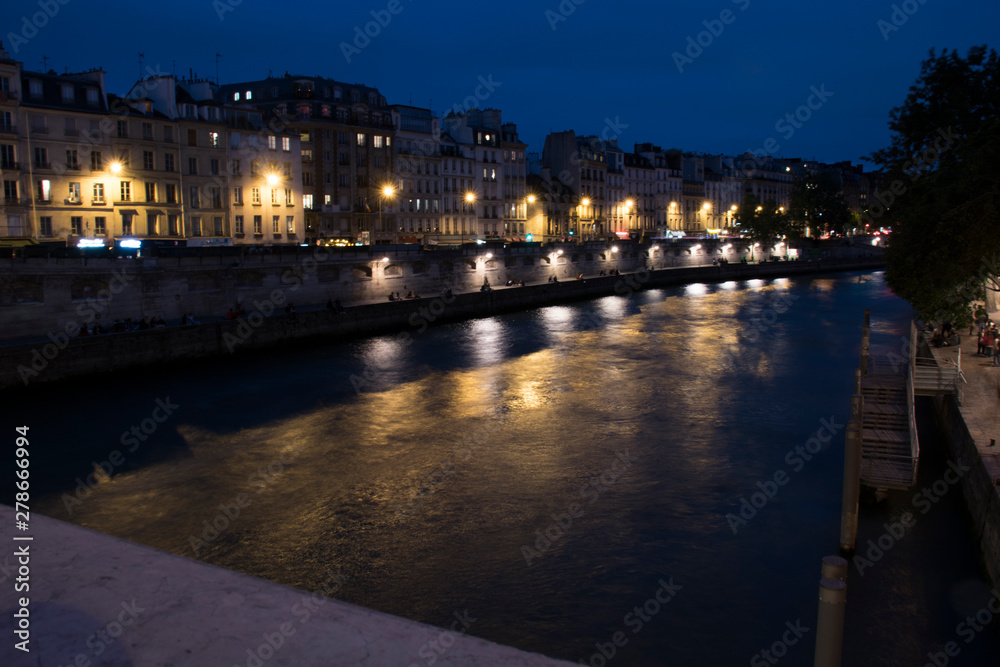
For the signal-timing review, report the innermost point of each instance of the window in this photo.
(377, 141)
(41, 157)
(168, 134)
(217, 226)
(126, 191)
(193, 166)
(127, 224)
(290, 224)
(150, 191)
(98, 193)
(72, 159)
(74, 193)
(147, 131)
(258, 224)
(361, 159)
(249, 95)
(307, 201)
(255, 196)
(288, 197)
(148, 160)
(195, 226)
(122, 129)
(238, 224)
(193, 200)
(35, 88)
(152, 224)
(326, 199)
(7, 160)
(172, 225)
(213, 139)
(361, 139)
(272, 142)
(276, 224)
(238, 195)
(92, 97)
(171, 193)
(305, 135)
(286, 144)
(96, 161)
(76, 225)
(254, 167)
(287, 169)
(343, 181)
(307, 178)
(168, 162)
(44, 190)
(342, 137)
(45, 225)
(192, 137)
(274, 196)
(100, 225)
(216, 194)
(343, 159)
(213, 167)
(234, 167)
(10, 192)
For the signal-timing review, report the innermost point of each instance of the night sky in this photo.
(623, 69)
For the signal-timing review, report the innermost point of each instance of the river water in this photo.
(569, 477)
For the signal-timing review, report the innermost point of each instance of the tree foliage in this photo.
(763, 223)
(941, 185)
(817, 204)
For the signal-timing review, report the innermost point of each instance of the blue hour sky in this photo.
(719, 76)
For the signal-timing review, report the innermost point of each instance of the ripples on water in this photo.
(467, 439)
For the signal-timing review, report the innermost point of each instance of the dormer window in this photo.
(236, 97)
(249, 95)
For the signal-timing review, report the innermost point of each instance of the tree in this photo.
(763, 223)
(941, 187)
(816, 205)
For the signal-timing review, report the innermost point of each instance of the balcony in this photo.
(10, 165)
(6, 128)
(8, 96)
(39, 130)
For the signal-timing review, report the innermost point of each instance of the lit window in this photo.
(272, 142)
(236, 97)
(361, 139)
(377, 141)
(286, 144)
(249, 95)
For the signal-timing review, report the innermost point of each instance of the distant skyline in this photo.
(714, 77)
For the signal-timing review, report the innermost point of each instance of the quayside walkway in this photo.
(100, 600)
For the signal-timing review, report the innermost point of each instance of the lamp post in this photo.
(387, 193)
(470, 200)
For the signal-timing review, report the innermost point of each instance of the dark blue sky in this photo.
(554, 64)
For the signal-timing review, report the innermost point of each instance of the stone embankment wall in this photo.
(44, 296)
(980, 486)
(60, 357)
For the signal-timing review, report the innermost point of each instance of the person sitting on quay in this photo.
(392, 296)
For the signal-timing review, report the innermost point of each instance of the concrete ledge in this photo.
(53, 360)
(100, 600)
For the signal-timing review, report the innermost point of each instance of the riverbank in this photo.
(266, 323)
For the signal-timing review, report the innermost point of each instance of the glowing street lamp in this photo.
(387, 193)
(116, 167)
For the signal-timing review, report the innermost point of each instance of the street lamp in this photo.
(470, 200)
(387, 193)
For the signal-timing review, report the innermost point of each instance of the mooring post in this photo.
(834, 567)
(866, 332)
(830, 623)
(852, 478)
